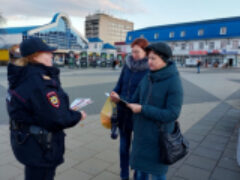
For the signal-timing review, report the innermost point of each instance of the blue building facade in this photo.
(210, 41)
(59, 32)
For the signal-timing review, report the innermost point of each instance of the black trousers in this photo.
(39, 173)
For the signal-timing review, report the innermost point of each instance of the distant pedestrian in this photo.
(114, 63)
(71, 60)
(198, 66)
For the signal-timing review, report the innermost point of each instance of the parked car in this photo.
(191, 62)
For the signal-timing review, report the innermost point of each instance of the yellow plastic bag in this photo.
(106, 113)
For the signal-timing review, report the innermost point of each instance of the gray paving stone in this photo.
(224, 128)
(180, 162)
(68, 164)
(212, 117)
(199, 131)
(18, 177)
(177, 178)
(105, 176)
(213, 145)
(9, 172)
(234, 139)
(194, 137)
(221, 133)
(224, 174)
(201, 162)
(171, 172)
(92, 166)
(233, 113)
(4, 148)
(193, 144)
(227, 123)
(208, 153)
(232, 145)
(81, 154)
(192, 173)
(235, 95)
(199, 126)
(216, 139)
(115, 168)
(229, 153)
(195, 94)
(7, 157)
(4, 139)
(228, 163)
(86, 138)
(96, 146)
(91, 154)
(206, 122)
(73, 174)
(17, 165)
(108, 156)
(73, 143)
(222, 108)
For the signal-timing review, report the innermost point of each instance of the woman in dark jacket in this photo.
(132, 73)
(157, 100)
(39, 110)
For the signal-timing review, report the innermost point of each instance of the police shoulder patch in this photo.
(53, 99)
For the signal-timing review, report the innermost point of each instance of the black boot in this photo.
(114, 132)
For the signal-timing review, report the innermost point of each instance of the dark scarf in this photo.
(137, 65)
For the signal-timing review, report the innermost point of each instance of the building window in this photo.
(156, 36)
(201, 45)
(224, 43)
(183, 33)
(211, 45)
(171, 34)
(190, 46)
(223, 30)
(172, 46)
(183, 46)
(235, 44)
(200, 32)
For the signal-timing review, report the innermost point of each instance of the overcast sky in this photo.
(142, 12)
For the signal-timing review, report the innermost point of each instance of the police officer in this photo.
(39, 110)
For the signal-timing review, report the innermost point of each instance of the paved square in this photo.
(210, 119)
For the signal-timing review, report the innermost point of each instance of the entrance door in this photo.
(230, 62)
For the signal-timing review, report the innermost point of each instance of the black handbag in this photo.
(173, 146)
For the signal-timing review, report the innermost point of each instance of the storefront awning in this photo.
(198, 52)
(214, 52)
(229, 52)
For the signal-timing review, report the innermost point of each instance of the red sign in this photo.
(215, 52)
(198, 52)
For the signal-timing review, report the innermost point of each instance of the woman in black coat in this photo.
(132, 73)
(39, 111)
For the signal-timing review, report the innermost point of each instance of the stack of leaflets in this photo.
(79, 103)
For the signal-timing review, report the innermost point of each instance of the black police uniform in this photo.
(39, 111)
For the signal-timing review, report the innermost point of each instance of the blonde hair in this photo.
(23, 61)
